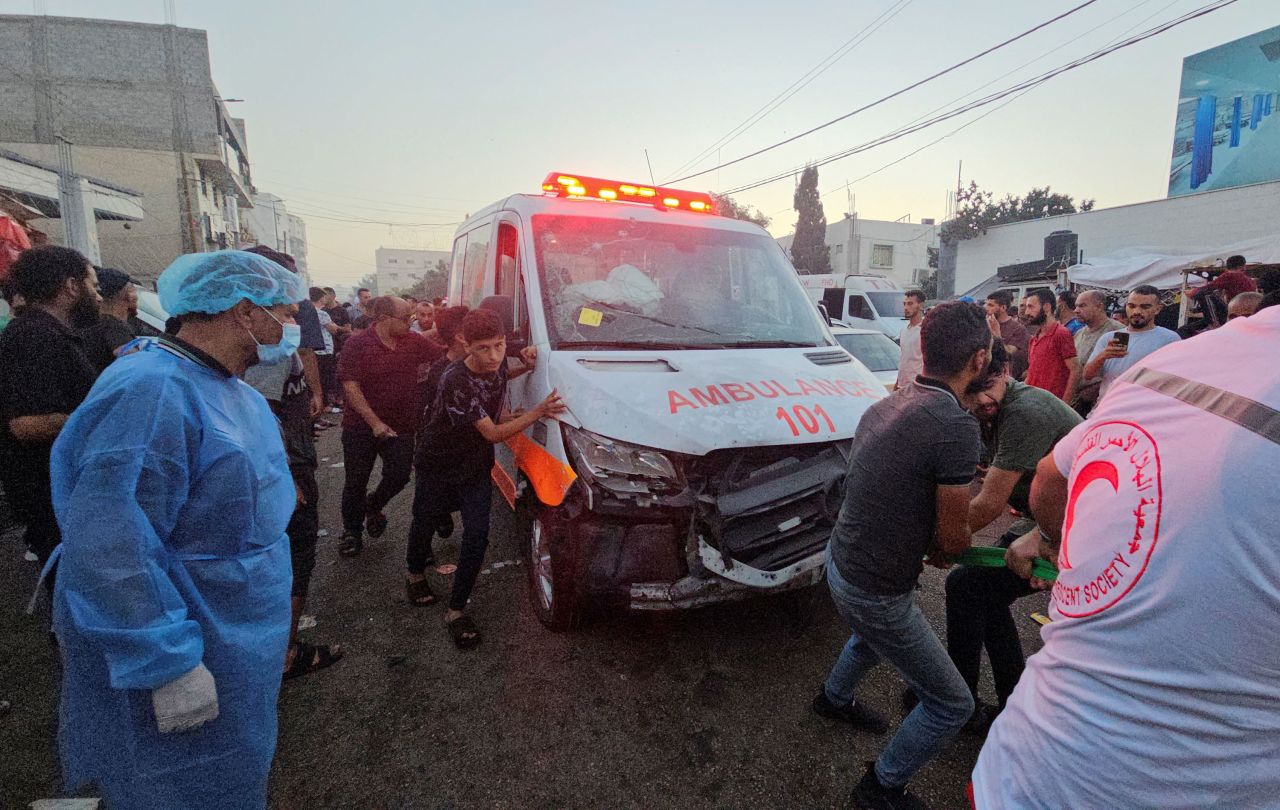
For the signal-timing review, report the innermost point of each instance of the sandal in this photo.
(350, 545)
(375, 523)
(464, 632)
(419, 593)
(312, 658)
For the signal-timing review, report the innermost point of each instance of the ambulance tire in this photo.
(551, 565)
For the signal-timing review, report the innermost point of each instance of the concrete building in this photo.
(139, 106)
(896, 250)
(269, 223)
(400, 269)
(1196, 223)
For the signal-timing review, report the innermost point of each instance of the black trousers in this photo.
(303, 528)
(360, 450)
(978, 616)
(436, 495)
(328, 366)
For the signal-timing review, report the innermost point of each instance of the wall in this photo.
(855, 252)
(145, 248)
(1194, 223)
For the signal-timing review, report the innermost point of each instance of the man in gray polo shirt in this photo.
(907, 495)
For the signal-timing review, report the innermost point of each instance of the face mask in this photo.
(269, 354)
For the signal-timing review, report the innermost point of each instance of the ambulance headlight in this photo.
(618, 466)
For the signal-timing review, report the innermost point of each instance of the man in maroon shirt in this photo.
(378, 369)
(1051, 355)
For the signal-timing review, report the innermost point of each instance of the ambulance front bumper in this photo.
(725, 581)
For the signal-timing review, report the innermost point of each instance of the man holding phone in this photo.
(1112, 358)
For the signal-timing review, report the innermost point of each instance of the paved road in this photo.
(699, 709)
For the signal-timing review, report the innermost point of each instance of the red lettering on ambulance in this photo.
(738, 392)
(676, 401)
(713, 396)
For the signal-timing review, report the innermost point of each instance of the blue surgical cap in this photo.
(215, 282)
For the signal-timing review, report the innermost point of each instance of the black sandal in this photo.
(312, 658)
(464, 632)
(419, 593)
(375, 524)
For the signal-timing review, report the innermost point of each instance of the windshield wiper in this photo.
(659, 321)
(772, 344)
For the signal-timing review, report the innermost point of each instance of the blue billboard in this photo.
(1227, 133)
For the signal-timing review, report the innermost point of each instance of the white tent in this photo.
(1128, 268)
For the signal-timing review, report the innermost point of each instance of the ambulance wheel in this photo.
(548, 549)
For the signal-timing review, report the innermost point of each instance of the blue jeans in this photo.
(892, 628)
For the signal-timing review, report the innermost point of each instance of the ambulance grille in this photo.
(832, 358)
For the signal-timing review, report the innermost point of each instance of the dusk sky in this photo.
(418, 113)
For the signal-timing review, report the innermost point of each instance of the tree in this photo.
(370, 281)
(809, 245)
(435, 284)
(929, 286)
(726, 206)
(978, 210)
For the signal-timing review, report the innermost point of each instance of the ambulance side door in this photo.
(509, 268)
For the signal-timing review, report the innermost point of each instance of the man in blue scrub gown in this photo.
(172, 600)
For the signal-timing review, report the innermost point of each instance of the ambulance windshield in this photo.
(611, 283)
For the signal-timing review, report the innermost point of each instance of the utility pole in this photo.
(79, 229)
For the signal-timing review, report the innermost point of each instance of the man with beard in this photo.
(1051, 355)
(119, 306)
(1114, 357)
(1020, 425)
(44, 376)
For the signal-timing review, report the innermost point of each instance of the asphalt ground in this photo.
(705, 708)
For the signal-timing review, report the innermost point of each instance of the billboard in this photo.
(1227, 132)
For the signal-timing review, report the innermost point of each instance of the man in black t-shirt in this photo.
(114, 326)
(44, 376)
(454, 458)
(913, 458)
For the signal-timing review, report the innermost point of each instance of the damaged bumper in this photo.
(725, 584)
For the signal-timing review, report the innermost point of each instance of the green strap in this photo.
(993, 557)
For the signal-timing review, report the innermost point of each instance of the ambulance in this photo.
(859, 301)
(710, 410)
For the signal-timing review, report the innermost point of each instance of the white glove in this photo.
(187, 702)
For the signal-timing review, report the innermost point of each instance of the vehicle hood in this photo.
(891, 326)
(694, 402)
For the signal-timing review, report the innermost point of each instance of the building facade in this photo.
(400, 269)
(1196, 223)
(897, 250)
(270, 223)
(139, 106)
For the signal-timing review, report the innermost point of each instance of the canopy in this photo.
(1128, 268)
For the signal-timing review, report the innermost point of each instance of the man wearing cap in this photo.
(119, 304)
(172, 602)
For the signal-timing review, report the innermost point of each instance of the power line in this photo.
(796, 86)
(1017, 88)
(892, 95)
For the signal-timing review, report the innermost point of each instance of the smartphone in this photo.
(1121, 338)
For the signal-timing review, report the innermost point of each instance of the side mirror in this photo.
(822, 310)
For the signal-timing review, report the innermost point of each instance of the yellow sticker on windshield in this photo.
(590, 317)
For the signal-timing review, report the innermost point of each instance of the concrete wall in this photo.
(106, 83)
(851, 244)
(1197, 222)
(143, 249)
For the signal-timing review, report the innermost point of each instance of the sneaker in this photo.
(869, 794)
(335, 409)
(350, 545)
(375, 523)
(855, 714)
(979, 723)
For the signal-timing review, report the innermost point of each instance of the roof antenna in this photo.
(652, 182)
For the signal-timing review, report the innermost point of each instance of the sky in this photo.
(385, 123)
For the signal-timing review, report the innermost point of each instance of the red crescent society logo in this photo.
(1109, 532)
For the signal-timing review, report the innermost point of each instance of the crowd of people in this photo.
(168, 486)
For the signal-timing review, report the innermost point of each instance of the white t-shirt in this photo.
(325, 322)
(1141, 344)
(1159, 681)
(911, 364)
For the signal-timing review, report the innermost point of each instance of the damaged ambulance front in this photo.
(710, 411)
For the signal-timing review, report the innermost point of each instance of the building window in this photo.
(836, 250)
(393, 261)
(882, 256)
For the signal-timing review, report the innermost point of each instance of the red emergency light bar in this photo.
(563, 184)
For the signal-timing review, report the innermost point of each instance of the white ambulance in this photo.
(859, 301)
(709, 408)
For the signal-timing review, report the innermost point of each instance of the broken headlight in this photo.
(621, 468)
